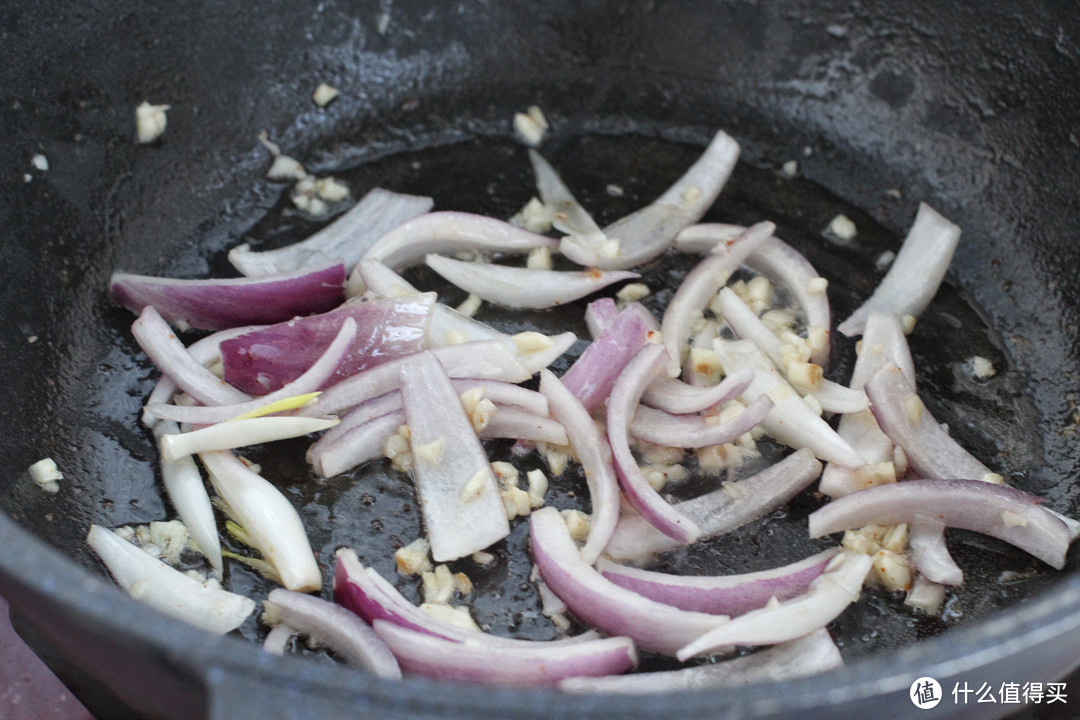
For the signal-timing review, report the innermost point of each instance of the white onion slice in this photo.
(791, 421)
(346, 238)
(915, 274)
(187, 493)
(999, 511)
(832, 397)
(362, 443)
(702, 283)
(472, 661)
(646, 233)
(625, 395)
(514, 424)
(269, 519)
(809, 655)
(695, 431)
(602, 604)
(592, 449)
(926, 539)
(166, 589)
(722, 510)
(827, 597)
(568, 214)
(450, 232)
(239, 433)
(720, 594)
(332, 626)
(170, 356)
(455, 486)
(518, 287)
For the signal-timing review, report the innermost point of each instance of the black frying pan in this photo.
(970, 108)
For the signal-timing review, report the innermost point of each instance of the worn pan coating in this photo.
(970, 108)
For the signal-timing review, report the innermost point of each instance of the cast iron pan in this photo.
(973, 110)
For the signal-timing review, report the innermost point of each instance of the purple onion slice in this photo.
(680, 398)
(720, 511)
(332, 626)
(166, 351)
(649, 362)
(265, 360)
(219, 304)
(999, 511)
(931, 451)
(722, 594)
(470, 661)
(455, 486)
(828, 595)
(695, 431)
(809, 655)
(594, 452)
(602, 604)
(593, 374)
(915, 274)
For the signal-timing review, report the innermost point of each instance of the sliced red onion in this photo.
(930, 451)
(278, 639)
(508, 422)
(518, 287)
(722, 510)
(361, 443)
(650, 361)
(502, 393)
(915, 274)
(702, 283)
(456, 488)
(832, 396)
(568, 214)
(675, 396)
(929, 553)
(540, 664)
(264, 361)
(724, 594)
(269, 519)
(599, 314)
(883, 343)
(187, 493)
(170, 356)
(347, 238)
(312, 378)
(593, 374)
(482, 359)
(828, 595)
(784, 265)
(450, 232)
(592, 449)
(809, 655)
(646, 233)
(219, 304)
(791, 421)
(204, 352)
(166, 589)
(999, 511)
(372, 597)
(334, 627)
(602, 604)
(695, 431)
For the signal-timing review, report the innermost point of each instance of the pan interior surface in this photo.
(429, 113)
